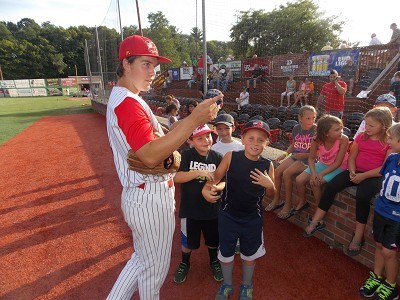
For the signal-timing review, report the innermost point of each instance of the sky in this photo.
(220, 14)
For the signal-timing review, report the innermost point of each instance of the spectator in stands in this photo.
(256, 77)
(349, 74)
(214, 77)
(226, 80)
(327, 47)
(170, 99)
(394, 90)
(395, 39)
(192, 80)
(331, 98)
(222, 75)
(306, 88)
(171, 111)
(385, 100)
(289, 91)
(343, 45)
(244, 98)
(374, 40)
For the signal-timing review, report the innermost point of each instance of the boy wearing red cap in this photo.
(248, 177)
(147, 200)
(197, 215)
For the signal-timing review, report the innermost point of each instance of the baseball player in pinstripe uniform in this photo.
(147, 201)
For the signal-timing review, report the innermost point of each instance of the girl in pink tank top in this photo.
(329, 147)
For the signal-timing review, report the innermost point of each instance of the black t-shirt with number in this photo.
(193, 205)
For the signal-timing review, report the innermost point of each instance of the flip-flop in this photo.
(275, 207)
(355, 252)
(319, 226)
(288, 215)
(306, 205)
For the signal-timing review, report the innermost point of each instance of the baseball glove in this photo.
(169, 165)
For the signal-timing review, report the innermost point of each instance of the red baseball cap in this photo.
(203, 129)
(257, 124)
(137, 45)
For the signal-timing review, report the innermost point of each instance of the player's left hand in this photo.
(260, 178)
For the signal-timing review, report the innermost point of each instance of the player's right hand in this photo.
(207, 110)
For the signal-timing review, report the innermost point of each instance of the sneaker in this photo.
(370, 285)
(224, 292)
(216, 270)
(387, 292)
(246, 292)
(181, 273)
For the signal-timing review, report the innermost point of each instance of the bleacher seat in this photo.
(282, 113)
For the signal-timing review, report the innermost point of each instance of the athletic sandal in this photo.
(355, 252)
(317, 226)
(272, 207)
(287, 215)
(305, 205)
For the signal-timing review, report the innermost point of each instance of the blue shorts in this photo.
(320, 167)
(248, 230)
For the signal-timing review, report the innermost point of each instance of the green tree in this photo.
(162, 34)
(292, 28)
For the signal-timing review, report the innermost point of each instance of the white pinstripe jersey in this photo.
(119, 144)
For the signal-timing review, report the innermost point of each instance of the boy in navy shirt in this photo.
(249, 176)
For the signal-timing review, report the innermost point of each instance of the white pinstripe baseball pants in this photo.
(149, 213)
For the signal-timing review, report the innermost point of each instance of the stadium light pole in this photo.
(204, 47)
(120, 25)
(138, 15)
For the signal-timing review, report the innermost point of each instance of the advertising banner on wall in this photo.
(24, 92)
(39, 92)
(262, 62)
(175, 73)
(53, 82)
(68, 81)
(22, 83)
(7, 84)
(37, 82)
(11, 92)
(185, 73)
(290, 64)
(320, 64)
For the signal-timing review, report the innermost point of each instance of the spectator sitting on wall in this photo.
(327, 47)
(349, 74)
(306, 88)
(374, 40)
(343, 45)
(256, 76)
(214, 78)
(395, 39)
(290, 89)
(192, 80)
(228, 78)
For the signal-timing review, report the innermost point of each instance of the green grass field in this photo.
(16, 114)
